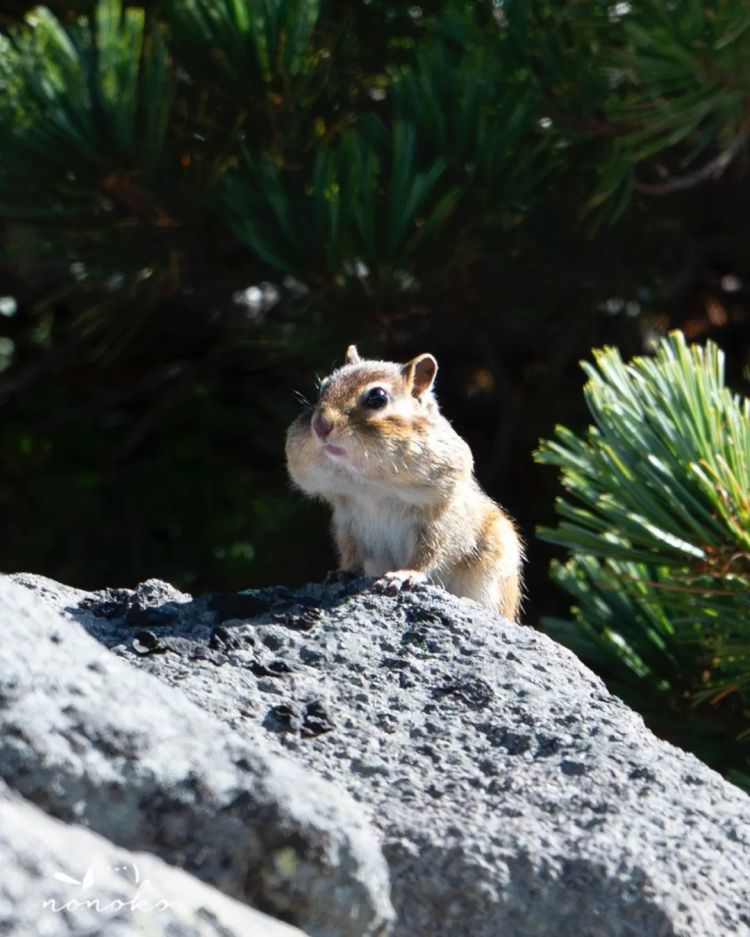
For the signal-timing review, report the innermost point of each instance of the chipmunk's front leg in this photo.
(415, 574)
(351, 560)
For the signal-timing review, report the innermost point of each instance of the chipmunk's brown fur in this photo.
(406, 506)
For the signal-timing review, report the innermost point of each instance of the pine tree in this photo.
(656, 516)
(329, 139)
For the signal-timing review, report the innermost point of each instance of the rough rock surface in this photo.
(93, 741)
(514, 794)
(59, 880)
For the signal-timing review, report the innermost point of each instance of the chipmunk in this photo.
(406, 505)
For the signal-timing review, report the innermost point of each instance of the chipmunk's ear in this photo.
(419, 374)
(352, 355)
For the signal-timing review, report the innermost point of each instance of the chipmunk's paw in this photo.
(393, 583)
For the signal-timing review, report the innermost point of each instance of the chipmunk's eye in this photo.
(375, 398)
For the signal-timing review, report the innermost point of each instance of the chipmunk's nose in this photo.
(322, 426)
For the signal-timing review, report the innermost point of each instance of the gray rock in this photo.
(514, 794)
(64, 881)
(93, 741)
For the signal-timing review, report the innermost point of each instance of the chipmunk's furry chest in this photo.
(386, 531)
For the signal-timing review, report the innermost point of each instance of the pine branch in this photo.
(656, 518)
(711, 171)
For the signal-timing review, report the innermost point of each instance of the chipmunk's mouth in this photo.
(335, 450)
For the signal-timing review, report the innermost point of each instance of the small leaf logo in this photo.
(88, 878)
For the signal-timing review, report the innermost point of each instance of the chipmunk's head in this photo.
(375, 399)
(370, 416)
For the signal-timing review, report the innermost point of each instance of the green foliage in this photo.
(323, 137)
(682, 66)
(102, 97)
(86, 167)
(656, 517)
(686, 64)
(257, 42)
(378, 190)
(363, 210)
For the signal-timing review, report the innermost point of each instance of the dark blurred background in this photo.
(202, 204)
